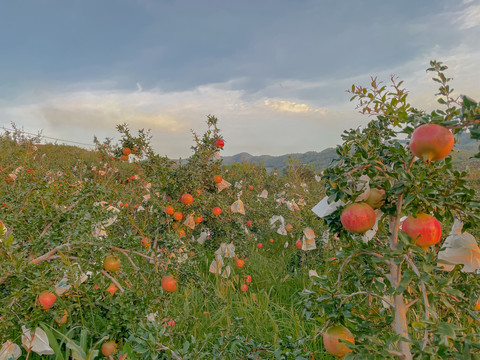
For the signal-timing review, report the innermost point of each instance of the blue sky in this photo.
(273, 72)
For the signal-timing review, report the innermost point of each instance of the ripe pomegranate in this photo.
(177, 216)
(124, 157)
(376, 198)
(169, 210)
(239, 263)
(217, 211)
(219, 143)
(109, 348)
(477, 305)
(169, 283)
(187, 199)
(198, 219)
(289, 227)
(358, 218)
(271, 240)
(181, 232)
(259, 245)
(331, 341)
(299, 244)
(217, 179)
(249, 223)
(431, 142)
(250, 187)
(244, 287)
(126, 151)
(248, 279)
(424, 229)
(111, 263)
(46, 300)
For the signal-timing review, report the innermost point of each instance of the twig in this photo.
(115, 282)
(387, 301)
(48, 255)
(133, 252)
(131, 262)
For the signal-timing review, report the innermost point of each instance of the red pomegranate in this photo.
(431, 142)
(424, 229)
(358, 218)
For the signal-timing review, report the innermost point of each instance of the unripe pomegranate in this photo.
(424, 229)
(431, 142)
(331, 341)
(376, 198)
(111, 263)
(358, 218)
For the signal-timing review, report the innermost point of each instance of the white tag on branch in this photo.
(276, 218)
(140, 208)
(324, 208)
(264, 194)
(459, 248)
(10, 351)
(313, 273)
(222, 185)
(286, 244)
(371, 233)
(152, 316)
(238, 207)
(189, 222)
(37, 342)
(238, 184)
(318, 178)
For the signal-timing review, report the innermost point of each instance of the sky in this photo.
(273, 72)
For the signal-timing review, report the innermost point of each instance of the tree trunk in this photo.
(400, 307)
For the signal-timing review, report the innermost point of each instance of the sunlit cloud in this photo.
(286, 106)
(469, 17)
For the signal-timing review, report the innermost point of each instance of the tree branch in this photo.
(387, 301)
(114, 281)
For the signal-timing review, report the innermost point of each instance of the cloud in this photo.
(286, 106)
(469, 17)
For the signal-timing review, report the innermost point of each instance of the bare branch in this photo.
(114, 281)
(387, 301)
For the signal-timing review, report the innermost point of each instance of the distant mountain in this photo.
(318, 160)
(465, 149)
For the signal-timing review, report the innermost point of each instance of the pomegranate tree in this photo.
(398, 302)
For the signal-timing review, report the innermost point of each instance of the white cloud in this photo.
(286, 106)
(468, 18)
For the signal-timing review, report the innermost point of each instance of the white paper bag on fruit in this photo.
(363, 184)
(459, 248)
(371, 233)
(216, 265)
(10, 351)
(189, 222)
(264, 194)
(222, 185)
(203, 236)
(238, 207)
(37, 342)
(324, 208)
(308, 242)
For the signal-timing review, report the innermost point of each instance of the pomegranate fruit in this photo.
(331, 341)
(431, 142)
(187, 199)
(169, 283)
(46, 300)
(217, 179)
(216, 211)
(424, 229)
(219, 143)
(358, 218)
(111, 263)
(376, 198)
(109, 348)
